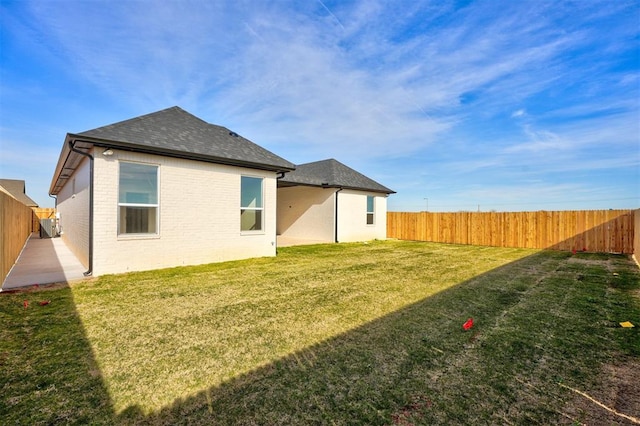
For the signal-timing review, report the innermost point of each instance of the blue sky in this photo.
(456, 105)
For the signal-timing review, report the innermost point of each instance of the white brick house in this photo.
(165, 189)
(169, 189)
(326, 201)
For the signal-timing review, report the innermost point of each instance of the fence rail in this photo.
(610, 231)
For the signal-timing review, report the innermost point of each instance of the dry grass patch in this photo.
(615, 401)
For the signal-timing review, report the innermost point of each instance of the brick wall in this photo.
(306, 213)
(73, 207)
(199, 216)
(352, 216)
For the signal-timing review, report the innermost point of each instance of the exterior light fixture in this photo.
(107, 152)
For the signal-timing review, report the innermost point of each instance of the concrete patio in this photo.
(282, 241)
(44, 261)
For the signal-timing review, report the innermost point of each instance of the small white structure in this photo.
(326, 201)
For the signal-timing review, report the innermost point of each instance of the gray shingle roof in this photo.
(331, 173)
(173, 131)
(16, 188)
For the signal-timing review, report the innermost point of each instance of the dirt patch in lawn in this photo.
(585, 261)
(619, 391)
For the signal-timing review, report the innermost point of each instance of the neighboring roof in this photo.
(171, 132)
(16, 188)
(331, 173)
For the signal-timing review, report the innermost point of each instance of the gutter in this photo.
(73, 148)
(55, 209)
(125, 146)
(336, 215)
(325, 185)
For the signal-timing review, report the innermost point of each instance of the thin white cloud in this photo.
(290, 73)
(331, 13)
(616, 133)
(369, 80)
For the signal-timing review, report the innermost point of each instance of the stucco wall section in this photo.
(73, 207)
(306, 213)
(352, 216)
(199, 216)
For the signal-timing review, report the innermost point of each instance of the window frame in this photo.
(372, 212)
(156, 205)
(260, 209)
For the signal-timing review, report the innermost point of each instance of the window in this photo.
(370, 210)
(251, 205)
(138, 199)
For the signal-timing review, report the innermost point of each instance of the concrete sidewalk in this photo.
(44, 261)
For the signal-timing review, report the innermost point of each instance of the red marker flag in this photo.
(467, 325)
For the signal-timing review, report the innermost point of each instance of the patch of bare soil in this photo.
(615, 402)
(586, 262)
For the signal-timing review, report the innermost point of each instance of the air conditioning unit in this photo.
(48, 228)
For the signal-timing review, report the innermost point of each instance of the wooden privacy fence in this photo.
(41, 213)
(610, 231)
(16, 221)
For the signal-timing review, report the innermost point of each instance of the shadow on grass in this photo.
(48, 374)
(413, 366)
(418, 366)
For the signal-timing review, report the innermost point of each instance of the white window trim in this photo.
(139, 236)
(373, 212)
(261, 231)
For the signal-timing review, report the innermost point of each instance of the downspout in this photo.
(55, 208)
(89, 271)
(278, 177)
(336, 216)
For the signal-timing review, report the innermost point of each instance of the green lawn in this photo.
(330, 334)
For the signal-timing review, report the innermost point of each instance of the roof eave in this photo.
(356, 188)
(127, 146)
(288, 183)
(66, 153)
(63, 159)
